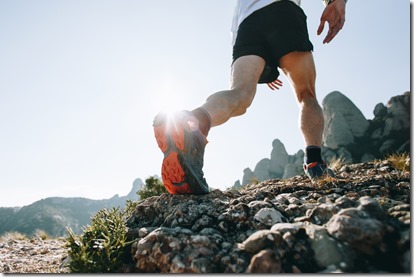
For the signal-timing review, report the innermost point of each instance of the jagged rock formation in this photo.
(387, 133)
(359, 222)
(54, 214)
(348, 136)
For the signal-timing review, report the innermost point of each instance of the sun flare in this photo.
(167, 101)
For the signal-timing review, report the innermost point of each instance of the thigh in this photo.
(245, 72)
(299, 67)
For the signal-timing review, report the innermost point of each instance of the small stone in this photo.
(266, 261)
(260, 240)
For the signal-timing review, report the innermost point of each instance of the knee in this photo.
(306, 95)
(243, 98)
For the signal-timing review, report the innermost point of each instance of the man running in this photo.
(267, 35)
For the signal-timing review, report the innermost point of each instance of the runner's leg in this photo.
(299, 67)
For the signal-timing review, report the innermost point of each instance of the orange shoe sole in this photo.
(172, 173)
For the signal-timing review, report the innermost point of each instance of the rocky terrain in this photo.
(357, 222)
(32, 255)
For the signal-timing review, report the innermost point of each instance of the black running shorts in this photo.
(271, 33)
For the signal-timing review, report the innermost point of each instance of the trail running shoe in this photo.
(317, 170)
(182, 143)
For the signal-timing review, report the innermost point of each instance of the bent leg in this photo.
(223, 105)
(299, 67)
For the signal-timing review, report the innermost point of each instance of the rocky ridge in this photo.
(54, 214)
(357, 222)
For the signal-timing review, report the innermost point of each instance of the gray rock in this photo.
(367, 157)
(371, 206)
(399, 112)
(261, 171)
(380, 110)
(344, 155)
(266, 261)
(337, 132)
(202, 265)
(293, 228)
(269, 216)
(328, 251)
(279, 158)
(343, 121)
(358, 229)
(260, 240)
(248, 177)
(257, 205)
(405, 147)
(292, 170)
(387, 147)
(322, 213)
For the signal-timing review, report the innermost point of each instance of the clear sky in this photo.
(81, 80)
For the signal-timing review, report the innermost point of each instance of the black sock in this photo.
(204, 120)
(313, 154)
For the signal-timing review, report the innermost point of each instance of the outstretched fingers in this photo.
(275, 84)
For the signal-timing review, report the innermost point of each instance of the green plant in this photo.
(153, 187)
(130, 206)
(101, 246)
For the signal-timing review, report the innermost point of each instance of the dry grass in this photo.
(13, 236)
(325, 182)
(400, 161)
(43, 235)
(254, 181)
(336, 164)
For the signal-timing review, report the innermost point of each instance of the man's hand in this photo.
(275, 84)
(334, 14)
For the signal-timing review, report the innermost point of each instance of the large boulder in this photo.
(343, 121)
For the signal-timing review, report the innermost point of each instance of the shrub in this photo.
(153, 187)
(101, 246)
